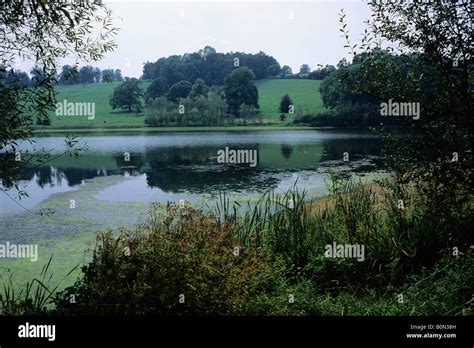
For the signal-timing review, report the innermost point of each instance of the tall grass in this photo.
(396, 236)
(35, 298)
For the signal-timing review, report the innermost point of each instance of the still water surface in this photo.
(110, 191)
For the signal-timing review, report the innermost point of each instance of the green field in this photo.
(105, 117)
(304, 93)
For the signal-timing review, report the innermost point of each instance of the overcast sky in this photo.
(294, 32)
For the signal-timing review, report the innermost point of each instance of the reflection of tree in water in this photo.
(196, 170)
(136, 160)
(227, 177)
(356, 148)
(286, 150)
(44, 176)
(181, 156)
(28, 174)
(173, 169)
(74, 176)
(54, 176)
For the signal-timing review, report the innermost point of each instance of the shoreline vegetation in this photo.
(191, 129)
(271, 260)
(164, 113)
(229, 128)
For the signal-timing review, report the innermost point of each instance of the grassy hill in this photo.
(105, 117)
(304, 93)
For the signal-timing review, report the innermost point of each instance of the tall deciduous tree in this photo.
(305, 69)
(128, 96)
(180, 89)
(433, 66)
(156, 89)
(108, 75)
(437, 41)
(69, 75)
(286, 71)
(118, 75)
(199, 89)
(274, 70)
(86, 74)
(240, 88)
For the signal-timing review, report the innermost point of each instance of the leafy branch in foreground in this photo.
(43, 32)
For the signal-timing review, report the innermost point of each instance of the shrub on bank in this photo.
(181, 262)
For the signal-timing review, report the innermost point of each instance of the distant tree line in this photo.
(16, 79)
(72, 75)
(69, 75)
(210, 66)
(306, 73)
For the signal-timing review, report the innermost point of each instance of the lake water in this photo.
(173, 166)
(115, 180)
(110, 190)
